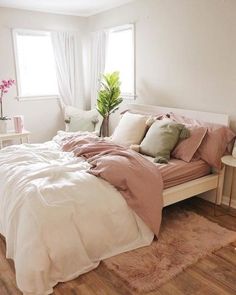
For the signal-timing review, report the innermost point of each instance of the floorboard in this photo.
(213, 275)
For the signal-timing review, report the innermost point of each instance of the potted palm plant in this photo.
(4, 87)
(108, 99)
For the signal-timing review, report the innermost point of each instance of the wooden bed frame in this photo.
(209, 187)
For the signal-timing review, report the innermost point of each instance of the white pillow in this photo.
(80, 120)
(130, 130)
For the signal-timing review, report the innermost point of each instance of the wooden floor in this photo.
(213, 275)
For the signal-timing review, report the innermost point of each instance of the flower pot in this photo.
(104, 132)
(3, 126)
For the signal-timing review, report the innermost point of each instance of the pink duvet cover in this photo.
(138, 180)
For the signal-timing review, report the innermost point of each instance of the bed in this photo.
(59, 221)
(209, 187)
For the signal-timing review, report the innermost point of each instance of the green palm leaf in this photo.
(109, 95)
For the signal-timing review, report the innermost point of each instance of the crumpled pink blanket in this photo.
(137, 179)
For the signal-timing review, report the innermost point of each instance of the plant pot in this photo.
(3, 126)
(104, 132)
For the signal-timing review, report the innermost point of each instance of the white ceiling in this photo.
(71, 7)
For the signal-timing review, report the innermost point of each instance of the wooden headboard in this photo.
(222, 119)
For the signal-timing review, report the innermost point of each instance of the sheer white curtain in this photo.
(68, 56)
(98, 60)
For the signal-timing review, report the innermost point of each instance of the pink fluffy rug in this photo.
(185, 237)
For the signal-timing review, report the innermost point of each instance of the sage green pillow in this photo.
(161, 138)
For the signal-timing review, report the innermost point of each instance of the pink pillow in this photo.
(215, 142)
(186, 148)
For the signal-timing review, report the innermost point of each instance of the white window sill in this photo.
(128, 96)
(41, 97)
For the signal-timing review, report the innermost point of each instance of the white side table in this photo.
(230, 161)
(22, 137)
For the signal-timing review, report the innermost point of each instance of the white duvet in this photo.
(58, 220)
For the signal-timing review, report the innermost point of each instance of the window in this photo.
(120, 57)
(35, 64)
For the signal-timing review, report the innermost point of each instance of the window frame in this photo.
(128, 96)
(19, 96)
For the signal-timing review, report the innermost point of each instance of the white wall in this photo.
(185, 55)
(42, 117)
(185, 52)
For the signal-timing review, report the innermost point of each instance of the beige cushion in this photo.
(130, 130)
(161, 139)
(80, 120)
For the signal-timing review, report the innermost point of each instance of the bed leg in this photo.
(219, 189)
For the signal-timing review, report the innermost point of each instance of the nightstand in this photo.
(230, 161)
(22, 137)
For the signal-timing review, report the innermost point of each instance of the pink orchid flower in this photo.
(4, 87)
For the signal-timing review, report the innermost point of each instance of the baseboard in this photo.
(211, 198)
(225, 201)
